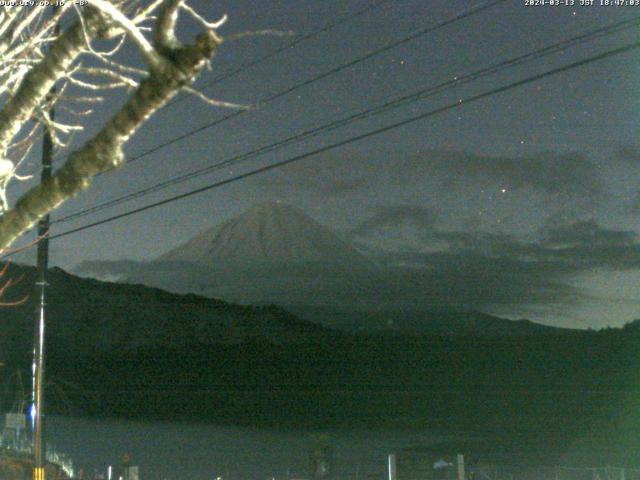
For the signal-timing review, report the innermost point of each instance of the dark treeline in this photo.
(555, 384)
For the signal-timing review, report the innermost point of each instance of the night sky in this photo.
(535, 189)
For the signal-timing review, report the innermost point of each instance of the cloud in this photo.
(343, 186)
(628, 154)
(498, 272)
(632, 207)
(586, 234)
(582, 246)
(567, 175)
(564, 178)
(473, 280)
(337, 174)
(390, 217)
(492, 243)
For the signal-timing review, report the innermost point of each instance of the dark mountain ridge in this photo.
(101, 308)
(446, 322)
(88, 316)
(140, 352)
(275, 253)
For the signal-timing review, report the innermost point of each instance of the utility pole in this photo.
(39, 444)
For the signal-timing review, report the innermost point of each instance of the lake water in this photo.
(187, 451)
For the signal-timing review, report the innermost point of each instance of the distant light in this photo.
(503, 190)
(32, 412)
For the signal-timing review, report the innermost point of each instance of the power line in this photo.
(456, 18)
(475, 98)
(293, 43)
(400, 101)
(332, 71)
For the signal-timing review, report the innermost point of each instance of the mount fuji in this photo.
(272, 253)
(271, 234)
(275, 254)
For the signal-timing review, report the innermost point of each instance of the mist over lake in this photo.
(191, 451)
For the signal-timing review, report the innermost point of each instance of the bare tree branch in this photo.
(35, 56)
(130, 28)
(38, 81)
(179, 67)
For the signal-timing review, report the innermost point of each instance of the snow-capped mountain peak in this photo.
(272, 233)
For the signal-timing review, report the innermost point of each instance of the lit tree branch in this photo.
(130, 28)
(39, 80)
(173, 67)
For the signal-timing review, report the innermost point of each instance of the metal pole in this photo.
(392, 467)
(39, 444)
